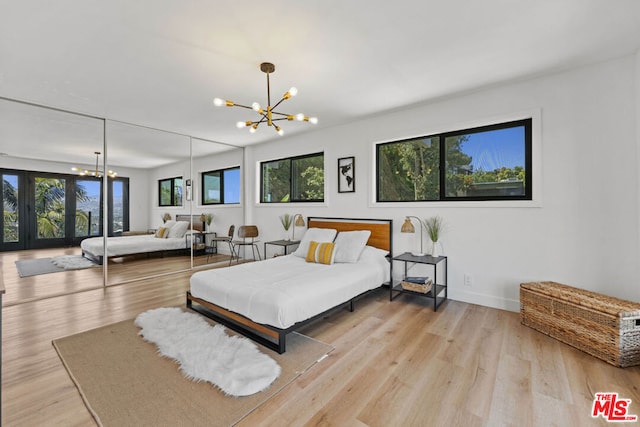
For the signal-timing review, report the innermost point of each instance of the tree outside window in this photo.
(294, 179)
(486, 163)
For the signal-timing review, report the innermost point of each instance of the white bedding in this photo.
(127, 245)
(285, 290)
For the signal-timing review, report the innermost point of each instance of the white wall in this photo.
(583, 228)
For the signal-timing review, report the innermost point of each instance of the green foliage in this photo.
(10, 200)
(434, 226)
(50, 207)
(307, 174)
(207, 218)
(286, 221)
(313, 183)
(410, 170)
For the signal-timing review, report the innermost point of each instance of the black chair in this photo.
(228, 238)
(248, 234)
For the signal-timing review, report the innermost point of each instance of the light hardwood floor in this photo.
(394, 364)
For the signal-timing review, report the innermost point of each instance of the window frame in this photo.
(529, 153)
(221, 172)
(291, 179)
(173, 192)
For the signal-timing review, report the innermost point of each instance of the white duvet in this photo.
(285, 290)
(127, 245)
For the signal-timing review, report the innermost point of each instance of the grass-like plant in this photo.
(286, 221)
(435, 227)
(207, 218)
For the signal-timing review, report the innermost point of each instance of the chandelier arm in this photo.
(279, 102)
(280, 114)
(282, 118)
(243, 106)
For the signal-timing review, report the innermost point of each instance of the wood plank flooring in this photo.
(394, 364)
(119, 270)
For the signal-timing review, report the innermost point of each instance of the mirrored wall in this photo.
(69, 179)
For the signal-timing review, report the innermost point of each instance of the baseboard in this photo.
(485, 300)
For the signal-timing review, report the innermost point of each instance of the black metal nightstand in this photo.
(438, 287)
(284, 243)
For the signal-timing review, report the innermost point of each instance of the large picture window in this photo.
(170, 191)
(221, 186)
(294, 179)
(484, 163)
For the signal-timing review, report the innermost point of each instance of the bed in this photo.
(265, 300)
(172, 240)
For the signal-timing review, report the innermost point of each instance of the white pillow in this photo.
(373, 255)
(319, 235)
(349, 245)
(169, 224)
(179, 229)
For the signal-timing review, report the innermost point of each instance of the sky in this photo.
(495, 149)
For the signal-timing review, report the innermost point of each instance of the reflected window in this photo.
(10, 217)
(88, 202)
(221, 186)
(170, 191)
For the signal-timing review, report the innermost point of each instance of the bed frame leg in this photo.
(351, 306)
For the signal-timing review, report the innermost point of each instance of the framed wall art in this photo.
(346, 175)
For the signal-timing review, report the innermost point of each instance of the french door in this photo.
(44, 210)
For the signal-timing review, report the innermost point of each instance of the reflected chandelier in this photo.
(267, 116)
(96, 172)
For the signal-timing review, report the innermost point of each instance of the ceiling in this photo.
(160, 63)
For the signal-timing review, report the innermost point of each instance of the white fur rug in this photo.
(72, 262)
(207, 353)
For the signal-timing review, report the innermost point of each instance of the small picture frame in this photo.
(346, 175)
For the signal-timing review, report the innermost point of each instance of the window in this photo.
(170, 192)
(221, 186)
(485, 163)
(294, 179)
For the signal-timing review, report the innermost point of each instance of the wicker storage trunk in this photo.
(605, 327)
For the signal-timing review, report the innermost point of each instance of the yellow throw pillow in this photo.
(162, 232)
(321, 253)
(311, 252)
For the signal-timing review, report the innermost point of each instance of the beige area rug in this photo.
(125, 382)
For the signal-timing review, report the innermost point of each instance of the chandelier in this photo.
(96, 172)
(268, 116)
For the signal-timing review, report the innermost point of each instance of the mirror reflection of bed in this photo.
(135, 152)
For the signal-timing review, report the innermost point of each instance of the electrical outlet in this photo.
(468, 279)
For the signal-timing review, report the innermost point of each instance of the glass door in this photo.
(48, 213)
(88, 218)
(10, 215)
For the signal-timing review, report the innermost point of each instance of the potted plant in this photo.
(207, 218)
(434, 226)
(286, 221)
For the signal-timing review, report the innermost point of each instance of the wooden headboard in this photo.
(381, 229)
(194, 220)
